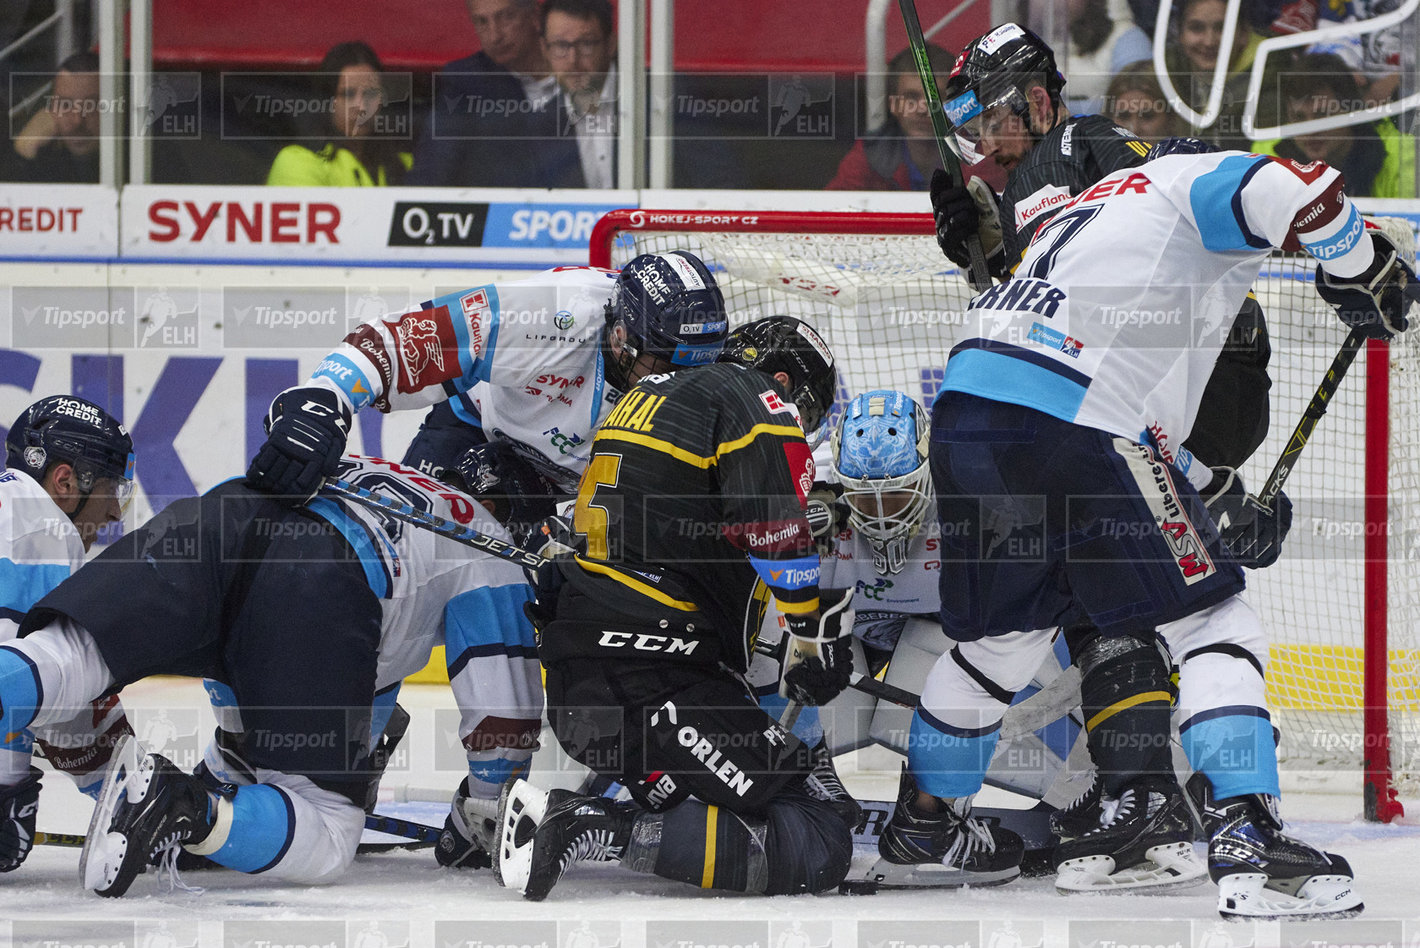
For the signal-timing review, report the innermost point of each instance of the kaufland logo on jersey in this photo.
(1042, 200)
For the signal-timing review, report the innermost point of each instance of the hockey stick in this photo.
(977, 274)
(419, 835)
(1321, 400)
(419, 518)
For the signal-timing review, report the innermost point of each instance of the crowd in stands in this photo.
(536, 105)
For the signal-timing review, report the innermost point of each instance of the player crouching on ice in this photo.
(1051, 441)
(311, 615)
(648, 640)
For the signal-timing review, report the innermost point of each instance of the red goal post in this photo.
(1341, 607)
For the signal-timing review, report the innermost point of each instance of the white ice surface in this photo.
(416, 902)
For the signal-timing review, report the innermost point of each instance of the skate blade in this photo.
(1168, 865)
(1245, 895)
(885, 876)
(104, 853)
(521, 808)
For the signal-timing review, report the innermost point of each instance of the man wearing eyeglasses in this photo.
(580, 45)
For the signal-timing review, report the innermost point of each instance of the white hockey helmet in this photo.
(880, 455)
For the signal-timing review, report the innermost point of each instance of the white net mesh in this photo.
(890, 306)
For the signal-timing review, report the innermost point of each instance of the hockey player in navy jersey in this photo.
(534, 364)
(1004, 95)
(69, 473)
(1054, 439)
(693, 509)
(311, 615)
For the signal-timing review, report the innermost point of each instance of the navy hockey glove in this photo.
(1252, 533)
(305, 436)
(963, 212)
(818, 657)
(1376, 300)
(18, 805)
(468, 837)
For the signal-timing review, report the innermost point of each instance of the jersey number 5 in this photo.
(589, 516)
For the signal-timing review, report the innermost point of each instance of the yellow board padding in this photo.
(434, 673)
(1329, 678)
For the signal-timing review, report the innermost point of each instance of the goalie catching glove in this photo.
(818, 655)
(1376, 300)
(961, 213)
(306, 431)
(1252, 533)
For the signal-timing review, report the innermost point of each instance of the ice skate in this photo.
(542, 833)
(1082, 814)
(945, 849)
(1263, 873)
(147, 809)
(1144, 840)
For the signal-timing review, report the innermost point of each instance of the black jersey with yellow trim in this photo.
(1067, 160)
(690, 476)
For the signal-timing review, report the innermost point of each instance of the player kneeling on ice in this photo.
(69, 473)
(309, 615)
(1052, 440)
(693, 511)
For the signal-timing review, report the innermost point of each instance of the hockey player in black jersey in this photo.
(693, 510)
(1004, 99)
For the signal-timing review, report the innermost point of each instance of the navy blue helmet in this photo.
(73, 431)
(671, 308)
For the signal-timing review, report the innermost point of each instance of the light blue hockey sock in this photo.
(256, 834)
(20, 691)
(1233, 747)
(948, 761)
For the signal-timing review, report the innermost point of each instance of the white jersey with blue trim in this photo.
(39, 547)
(435, 590)
(1123, 300)
(913, 591)
(528, 352)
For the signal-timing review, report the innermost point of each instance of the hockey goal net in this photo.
(1342, 606)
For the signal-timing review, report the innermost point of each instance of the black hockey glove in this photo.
(1252, 533)
(469, 833)
(827, 515)
(1376, 300)
(818, 656)
(18, 805)
(963, 212)
(305, 436)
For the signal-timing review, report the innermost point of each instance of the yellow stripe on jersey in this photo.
(1126, 704)
(712, 823)
(689, 457)
(1141, 147)
(797, 608)
(644, 589)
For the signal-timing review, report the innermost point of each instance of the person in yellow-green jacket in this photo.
(356, 142)
(1376, 159)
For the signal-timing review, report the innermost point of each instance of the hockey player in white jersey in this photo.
(69, 473)
(1055, 440)
(311, 615)
(535, 363)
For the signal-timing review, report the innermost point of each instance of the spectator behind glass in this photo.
(1134, 101)
(350, 151)
(580, 45)
(1193, 53)
(491, 112)
(900, 154)
(60, 144)
(1103, 40)
(1376, 160)
(1382, 58)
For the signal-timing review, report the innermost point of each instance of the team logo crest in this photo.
(34, 458)
(564, 320)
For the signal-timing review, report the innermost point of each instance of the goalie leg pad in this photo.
(1127, 700)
